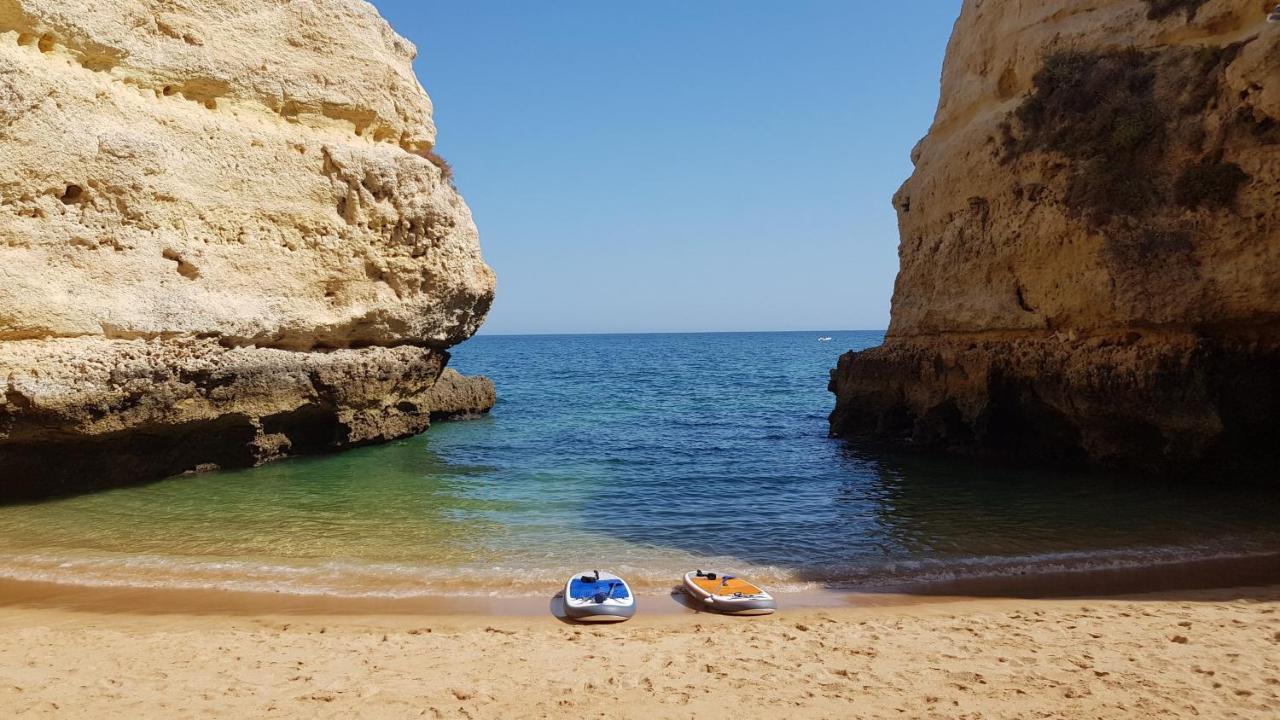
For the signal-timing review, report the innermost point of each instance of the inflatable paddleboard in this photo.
(728, 594)
(595, 596)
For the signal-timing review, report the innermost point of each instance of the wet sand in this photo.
(152, 601)
(1193, 653)
(1195, 574)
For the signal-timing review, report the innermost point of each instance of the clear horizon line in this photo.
(483, 333)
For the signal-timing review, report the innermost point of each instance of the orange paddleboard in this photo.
(728, 594)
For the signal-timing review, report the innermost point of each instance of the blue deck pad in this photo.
(579, 590)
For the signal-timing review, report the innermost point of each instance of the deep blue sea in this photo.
(644, 454)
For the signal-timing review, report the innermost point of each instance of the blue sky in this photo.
(671, 165)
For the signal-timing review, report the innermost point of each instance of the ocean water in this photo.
(644, 454)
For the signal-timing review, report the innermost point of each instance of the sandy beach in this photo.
(1186, 654)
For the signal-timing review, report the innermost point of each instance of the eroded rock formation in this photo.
(456, 396)
(224, 237)
(1090, 250)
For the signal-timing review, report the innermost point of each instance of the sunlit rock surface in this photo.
(224, 238)
(1090, 245)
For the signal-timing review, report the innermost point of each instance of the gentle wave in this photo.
(911, 575)
(342, 579)
(357, 579)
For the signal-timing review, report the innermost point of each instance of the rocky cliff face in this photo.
(224, 237)
(1090, 250)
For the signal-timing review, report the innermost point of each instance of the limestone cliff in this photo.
(224, 237)
(1090, 244)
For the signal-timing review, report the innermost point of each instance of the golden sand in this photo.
(1188, 654)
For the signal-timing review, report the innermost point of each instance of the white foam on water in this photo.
(364, 579)
(341, 578)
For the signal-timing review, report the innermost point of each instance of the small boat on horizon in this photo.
(825, 338)
(594, 596)
(728, 594)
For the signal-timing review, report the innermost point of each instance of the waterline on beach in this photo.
(645, 455)
(1037, 576)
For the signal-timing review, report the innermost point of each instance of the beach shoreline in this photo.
(1191, 574)
(1202, 653)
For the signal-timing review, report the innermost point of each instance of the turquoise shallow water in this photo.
(644, 454)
